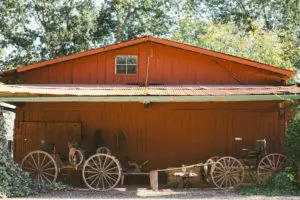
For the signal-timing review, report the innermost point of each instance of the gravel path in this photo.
(146, 193)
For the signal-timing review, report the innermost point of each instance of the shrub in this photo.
(292, 142)
(14, 182)
(282, 183)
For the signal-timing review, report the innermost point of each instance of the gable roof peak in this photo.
(286, 74)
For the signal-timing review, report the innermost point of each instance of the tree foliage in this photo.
(259, 45)
(46, 29)
(41, 30)
(120, 20)
(280, 16)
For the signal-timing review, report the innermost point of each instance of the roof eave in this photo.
(146, 99)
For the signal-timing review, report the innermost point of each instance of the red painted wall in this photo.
(167, 65)
(166, 134)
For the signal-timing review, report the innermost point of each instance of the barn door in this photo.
(60, 133)
(247, 127)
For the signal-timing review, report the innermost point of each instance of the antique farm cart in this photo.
(229, 172)
(100, 171)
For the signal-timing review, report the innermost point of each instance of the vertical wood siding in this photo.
(167, 65)
(166, 134)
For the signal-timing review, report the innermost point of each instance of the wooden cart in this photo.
(100, 171)
(229, 172)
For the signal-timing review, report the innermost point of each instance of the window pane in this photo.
(131, 60)
(121, 69)
(131, 69)
(121, 60)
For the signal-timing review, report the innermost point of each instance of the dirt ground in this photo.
(128, 193)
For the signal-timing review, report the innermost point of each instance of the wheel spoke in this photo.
(104, 162)
(28, 169)
(49, 162)
(110, 169)
(220, 175)
(112, 178)
(43, 161)
(94, 180)
(99, 159)
(271, 163)
(92, 172)
(91, 176)
(46, 178)
(34, 161)
(88, 165)
(49, 174)
(113, 173)
(95, 164)
(109, 164)
(216, 167)
(51, 168)
(109, 184)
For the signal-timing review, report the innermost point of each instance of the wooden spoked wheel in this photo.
(41, 167)
(269, 165)
(208, 166)
(103, 150)
(101, 172)
(227, 173)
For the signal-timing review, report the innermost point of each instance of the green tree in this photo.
(279, 16)
(40, 30)
(120, 20)
(259, 45)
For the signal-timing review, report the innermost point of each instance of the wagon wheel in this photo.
(269, 165)
(103, 150)
(208, 166)
(227, 173)
(75, 157)
(41, 166)
(101, 172)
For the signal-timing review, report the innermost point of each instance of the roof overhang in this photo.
(159, 93)
(147, 99)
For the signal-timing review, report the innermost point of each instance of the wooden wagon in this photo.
(101, 171)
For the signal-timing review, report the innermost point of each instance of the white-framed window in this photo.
(126, 64)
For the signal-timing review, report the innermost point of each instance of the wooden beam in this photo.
(147, 99)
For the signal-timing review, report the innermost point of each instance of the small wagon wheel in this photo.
(269, 165)
(208, 166)
(227, 173)
(41, 166)
(103, 150)
(101, 172)
(75, 157)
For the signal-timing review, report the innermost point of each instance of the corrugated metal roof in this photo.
(129, 90)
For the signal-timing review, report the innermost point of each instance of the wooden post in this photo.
(154, 180)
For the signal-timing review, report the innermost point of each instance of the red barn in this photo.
(172, 103)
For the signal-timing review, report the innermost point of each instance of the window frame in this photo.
(126, 65)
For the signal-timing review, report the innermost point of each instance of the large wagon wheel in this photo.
(41, 166)
(227, 173)
(101, 172)
(269, 165)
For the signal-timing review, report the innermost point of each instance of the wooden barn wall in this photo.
(166, 134)
(167, 65)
